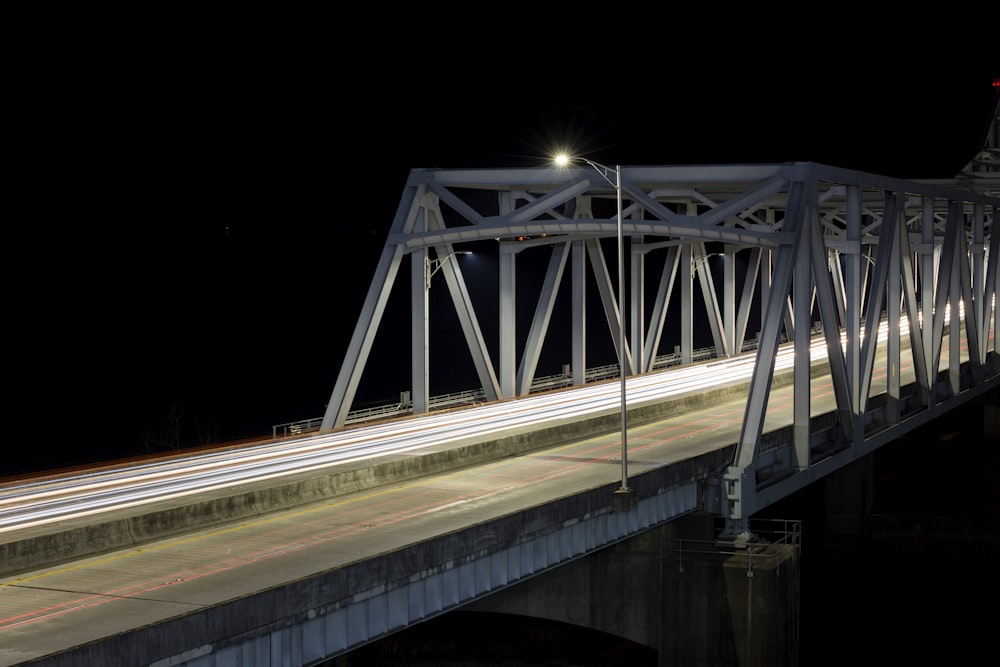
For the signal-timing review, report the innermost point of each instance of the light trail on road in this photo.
(38, 502)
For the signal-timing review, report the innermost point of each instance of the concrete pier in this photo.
(673, 589)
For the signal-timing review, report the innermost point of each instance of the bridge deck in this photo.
(238, 577)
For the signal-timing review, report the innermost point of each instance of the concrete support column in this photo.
(672, 588)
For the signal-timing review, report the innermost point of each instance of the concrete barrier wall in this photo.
(45, 547)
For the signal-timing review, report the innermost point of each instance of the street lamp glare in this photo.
(562, 160)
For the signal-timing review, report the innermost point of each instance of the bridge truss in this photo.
(872, 263)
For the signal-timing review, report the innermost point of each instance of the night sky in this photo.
(203, 218)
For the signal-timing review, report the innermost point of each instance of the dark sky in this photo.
(204, 215)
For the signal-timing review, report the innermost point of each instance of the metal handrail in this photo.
(474, 396)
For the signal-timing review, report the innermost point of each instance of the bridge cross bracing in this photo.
(786, 252)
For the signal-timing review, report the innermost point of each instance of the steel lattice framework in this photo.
(804, 247)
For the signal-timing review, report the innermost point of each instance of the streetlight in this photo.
(623, 494)
(432, 266)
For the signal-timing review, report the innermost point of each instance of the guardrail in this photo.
(474, 396)
(762, 546)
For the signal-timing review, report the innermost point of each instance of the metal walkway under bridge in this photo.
(778, 252)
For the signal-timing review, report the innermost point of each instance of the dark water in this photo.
(917, 585)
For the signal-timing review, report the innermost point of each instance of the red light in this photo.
(996, 83)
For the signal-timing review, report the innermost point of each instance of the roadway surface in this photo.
(53, 609)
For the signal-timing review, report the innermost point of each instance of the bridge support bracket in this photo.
(624, 499)
(736, 534)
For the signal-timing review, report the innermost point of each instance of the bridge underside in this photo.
(888, 284)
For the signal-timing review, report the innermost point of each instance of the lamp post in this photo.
(432, 266)
(623, 495)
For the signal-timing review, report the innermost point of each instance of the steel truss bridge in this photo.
(803, 247)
